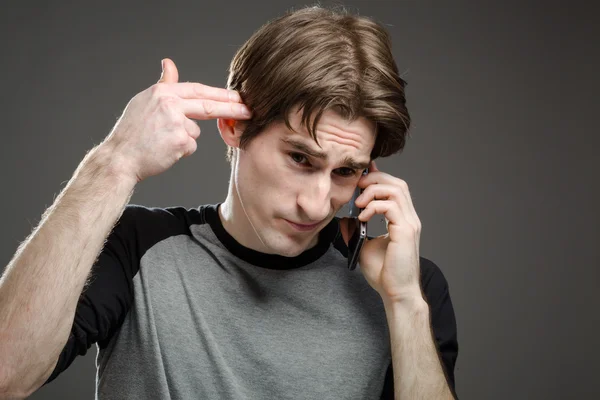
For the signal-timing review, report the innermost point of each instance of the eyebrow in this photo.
(305, 148)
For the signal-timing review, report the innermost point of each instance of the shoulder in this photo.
(434, 285)
(169, 220)
(432, 277)
(147, 216)
(140, 227)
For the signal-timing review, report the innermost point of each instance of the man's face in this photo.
(280, 182)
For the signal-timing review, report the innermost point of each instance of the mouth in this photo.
(303, 227)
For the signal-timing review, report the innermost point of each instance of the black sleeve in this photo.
(105, 300)
(443, 324)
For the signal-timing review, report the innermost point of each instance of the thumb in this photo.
(169, 72)
(373, 166)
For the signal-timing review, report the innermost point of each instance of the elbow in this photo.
(9, 390)
(10, 395)
(14, 386)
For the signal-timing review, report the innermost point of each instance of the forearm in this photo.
(42, 283)
(418, 372)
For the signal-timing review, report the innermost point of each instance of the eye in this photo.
(297, 157)
(348, 172)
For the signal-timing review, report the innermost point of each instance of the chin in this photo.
(288, 249)
(285, 246)
(290, 252)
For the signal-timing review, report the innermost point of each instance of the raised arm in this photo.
(41, 285)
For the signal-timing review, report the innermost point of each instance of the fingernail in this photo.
(245, 111)
(162, 64)
(234, 96)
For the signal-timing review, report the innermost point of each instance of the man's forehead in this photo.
(360, 132)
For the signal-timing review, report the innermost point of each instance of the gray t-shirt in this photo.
(180, 310)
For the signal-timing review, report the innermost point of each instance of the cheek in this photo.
(272, 175)
(343, 195)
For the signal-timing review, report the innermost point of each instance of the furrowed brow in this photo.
(304, 148)
(352, 163)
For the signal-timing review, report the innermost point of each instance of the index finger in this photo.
(210, 109)
(195, 90)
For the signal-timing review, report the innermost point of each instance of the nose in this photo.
(314, 200)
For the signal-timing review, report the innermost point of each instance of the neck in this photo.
(236, 221)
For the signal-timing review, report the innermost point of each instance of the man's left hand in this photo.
(390, 262)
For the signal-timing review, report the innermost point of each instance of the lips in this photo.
(303, 227)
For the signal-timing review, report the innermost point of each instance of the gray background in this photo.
(502, 163)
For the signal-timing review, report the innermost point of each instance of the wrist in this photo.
(413, 305)
(106, 157)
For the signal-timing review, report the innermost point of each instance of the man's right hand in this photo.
(156, 128)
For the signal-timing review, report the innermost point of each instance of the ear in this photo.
(230, 131)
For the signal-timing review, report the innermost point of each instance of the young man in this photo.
(249, 298)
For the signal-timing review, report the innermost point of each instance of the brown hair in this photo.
(320, 59)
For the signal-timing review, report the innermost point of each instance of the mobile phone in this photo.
(357, 229)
